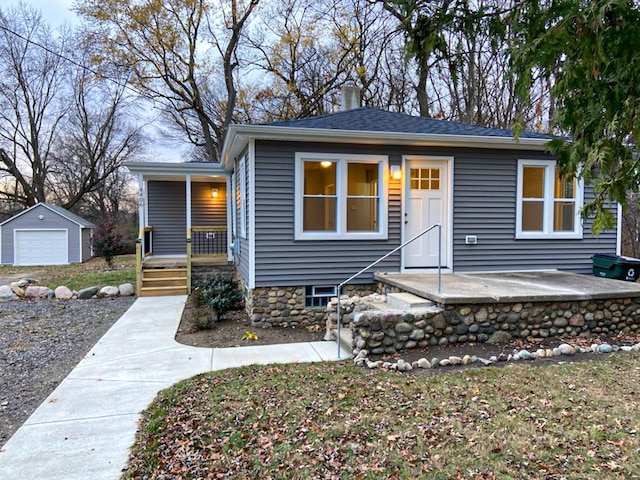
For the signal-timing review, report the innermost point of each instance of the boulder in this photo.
(127, 290)
(6, 294)
(87, 293)
(109, 291)
(19, 291)
(33, 291)
(63, 293)
(499, 337)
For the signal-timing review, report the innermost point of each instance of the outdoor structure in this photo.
(183, 213)
(45, 235)
(313, 201)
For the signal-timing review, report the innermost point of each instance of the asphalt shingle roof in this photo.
(376, 120)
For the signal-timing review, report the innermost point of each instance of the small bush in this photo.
(220, 294)
(107, 241)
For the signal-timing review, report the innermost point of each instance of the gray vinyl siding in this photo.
(484, 204)
(167, 217)
(207, 211)
(281, 260)
(86, 244)
(485, 196)
(30, 221)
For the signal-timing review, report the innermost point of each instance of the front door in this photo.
(427, 203)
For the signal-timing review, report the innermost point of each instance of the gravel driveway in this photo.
(40, 343)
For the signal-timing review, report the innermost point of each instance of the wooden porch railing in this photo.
(143, 249)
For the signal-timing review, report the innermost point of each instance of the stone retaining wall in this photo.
(394, 331)
(285, 306)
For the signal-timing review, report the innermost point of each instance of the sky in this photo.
(54, 11)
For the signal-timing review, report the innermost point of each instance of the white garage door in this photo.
(41, 247)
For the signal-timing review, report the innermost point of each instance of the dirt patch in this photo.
(235, 330)
(40, 343)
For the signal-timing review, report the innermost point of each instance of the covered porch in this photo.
(184, 211)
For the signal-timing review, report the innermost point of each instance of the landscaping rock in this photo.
(605, 348)
(566, 349)
(127, 290)
(87, 293)
(15, 288)
(109, 291)
(33, 291)
(499, 337)
(6, 294)
(63, 293)
(424, 363)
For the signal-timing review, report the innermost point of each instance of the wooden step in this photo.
(164, 272)
(162, 291)
(164, 282)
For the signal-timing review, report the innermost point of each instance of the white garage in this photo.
(45, 235)
(41, 247)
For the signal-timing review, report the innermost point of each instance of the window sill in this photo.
(550, 236)
(343, 236)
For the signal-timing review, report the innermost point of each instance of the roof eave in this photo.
(239, 135)
(176, 168)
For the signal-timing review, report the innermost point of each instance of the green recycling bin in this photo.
(617, 267)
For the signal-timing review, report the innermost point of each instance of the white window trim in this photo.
(242, 167)
(341, 194)
(547, 232)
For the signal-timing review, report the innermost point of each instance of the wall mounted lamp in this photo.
(214, 192)
(396, 172)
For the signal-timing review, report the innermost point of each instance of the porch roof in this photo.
(177, 170)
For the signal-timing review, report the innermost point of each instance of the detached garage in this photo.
(45, 235)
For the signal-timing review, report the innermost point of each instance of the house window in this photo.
(319, 296)
(340, 196)
(548, 204)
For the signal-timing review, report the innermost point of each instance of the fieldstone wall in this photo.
(285, 306)
(200, 273)
(393, 331)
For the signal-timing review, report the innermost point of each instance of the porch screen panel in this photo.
(320, 196)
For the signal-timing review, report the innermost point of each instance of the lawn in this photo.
(77, 275)
(334, 420)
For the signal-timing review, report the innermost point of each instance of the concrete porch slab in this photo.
(534, 286)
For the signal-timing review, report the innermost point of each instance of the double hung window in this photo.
(548, 204)
(340, 196)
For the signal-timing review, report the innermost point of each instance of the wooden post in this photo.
(189, 261)
(139, 255)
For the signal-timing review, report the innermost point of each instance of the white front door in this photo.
(427, 203)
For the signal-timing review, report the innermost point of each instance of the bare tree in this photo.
(175, 50)
(31, 83)
(99, 133)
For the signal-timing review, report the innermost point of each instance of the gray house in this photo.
(313, 201)
(45, 235)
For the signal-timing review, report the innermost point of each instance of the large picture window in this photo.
(548, 204)
(340, 196)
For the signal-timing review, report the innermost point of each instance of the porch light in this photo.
(325, 164)
(214, 192)
(396, 172)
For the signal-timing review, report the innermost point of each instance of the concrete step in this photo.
(407, 301)
(346, 339)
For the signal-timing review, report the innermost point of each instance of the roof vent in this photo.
(350, 97)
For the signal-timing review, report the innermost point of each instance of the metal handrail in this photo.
(356, 275)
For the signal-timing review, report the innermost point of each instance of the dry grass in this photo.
(338, 421)
(77, 275)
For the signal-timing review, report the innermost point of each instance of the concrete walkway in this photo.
(85, 428)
